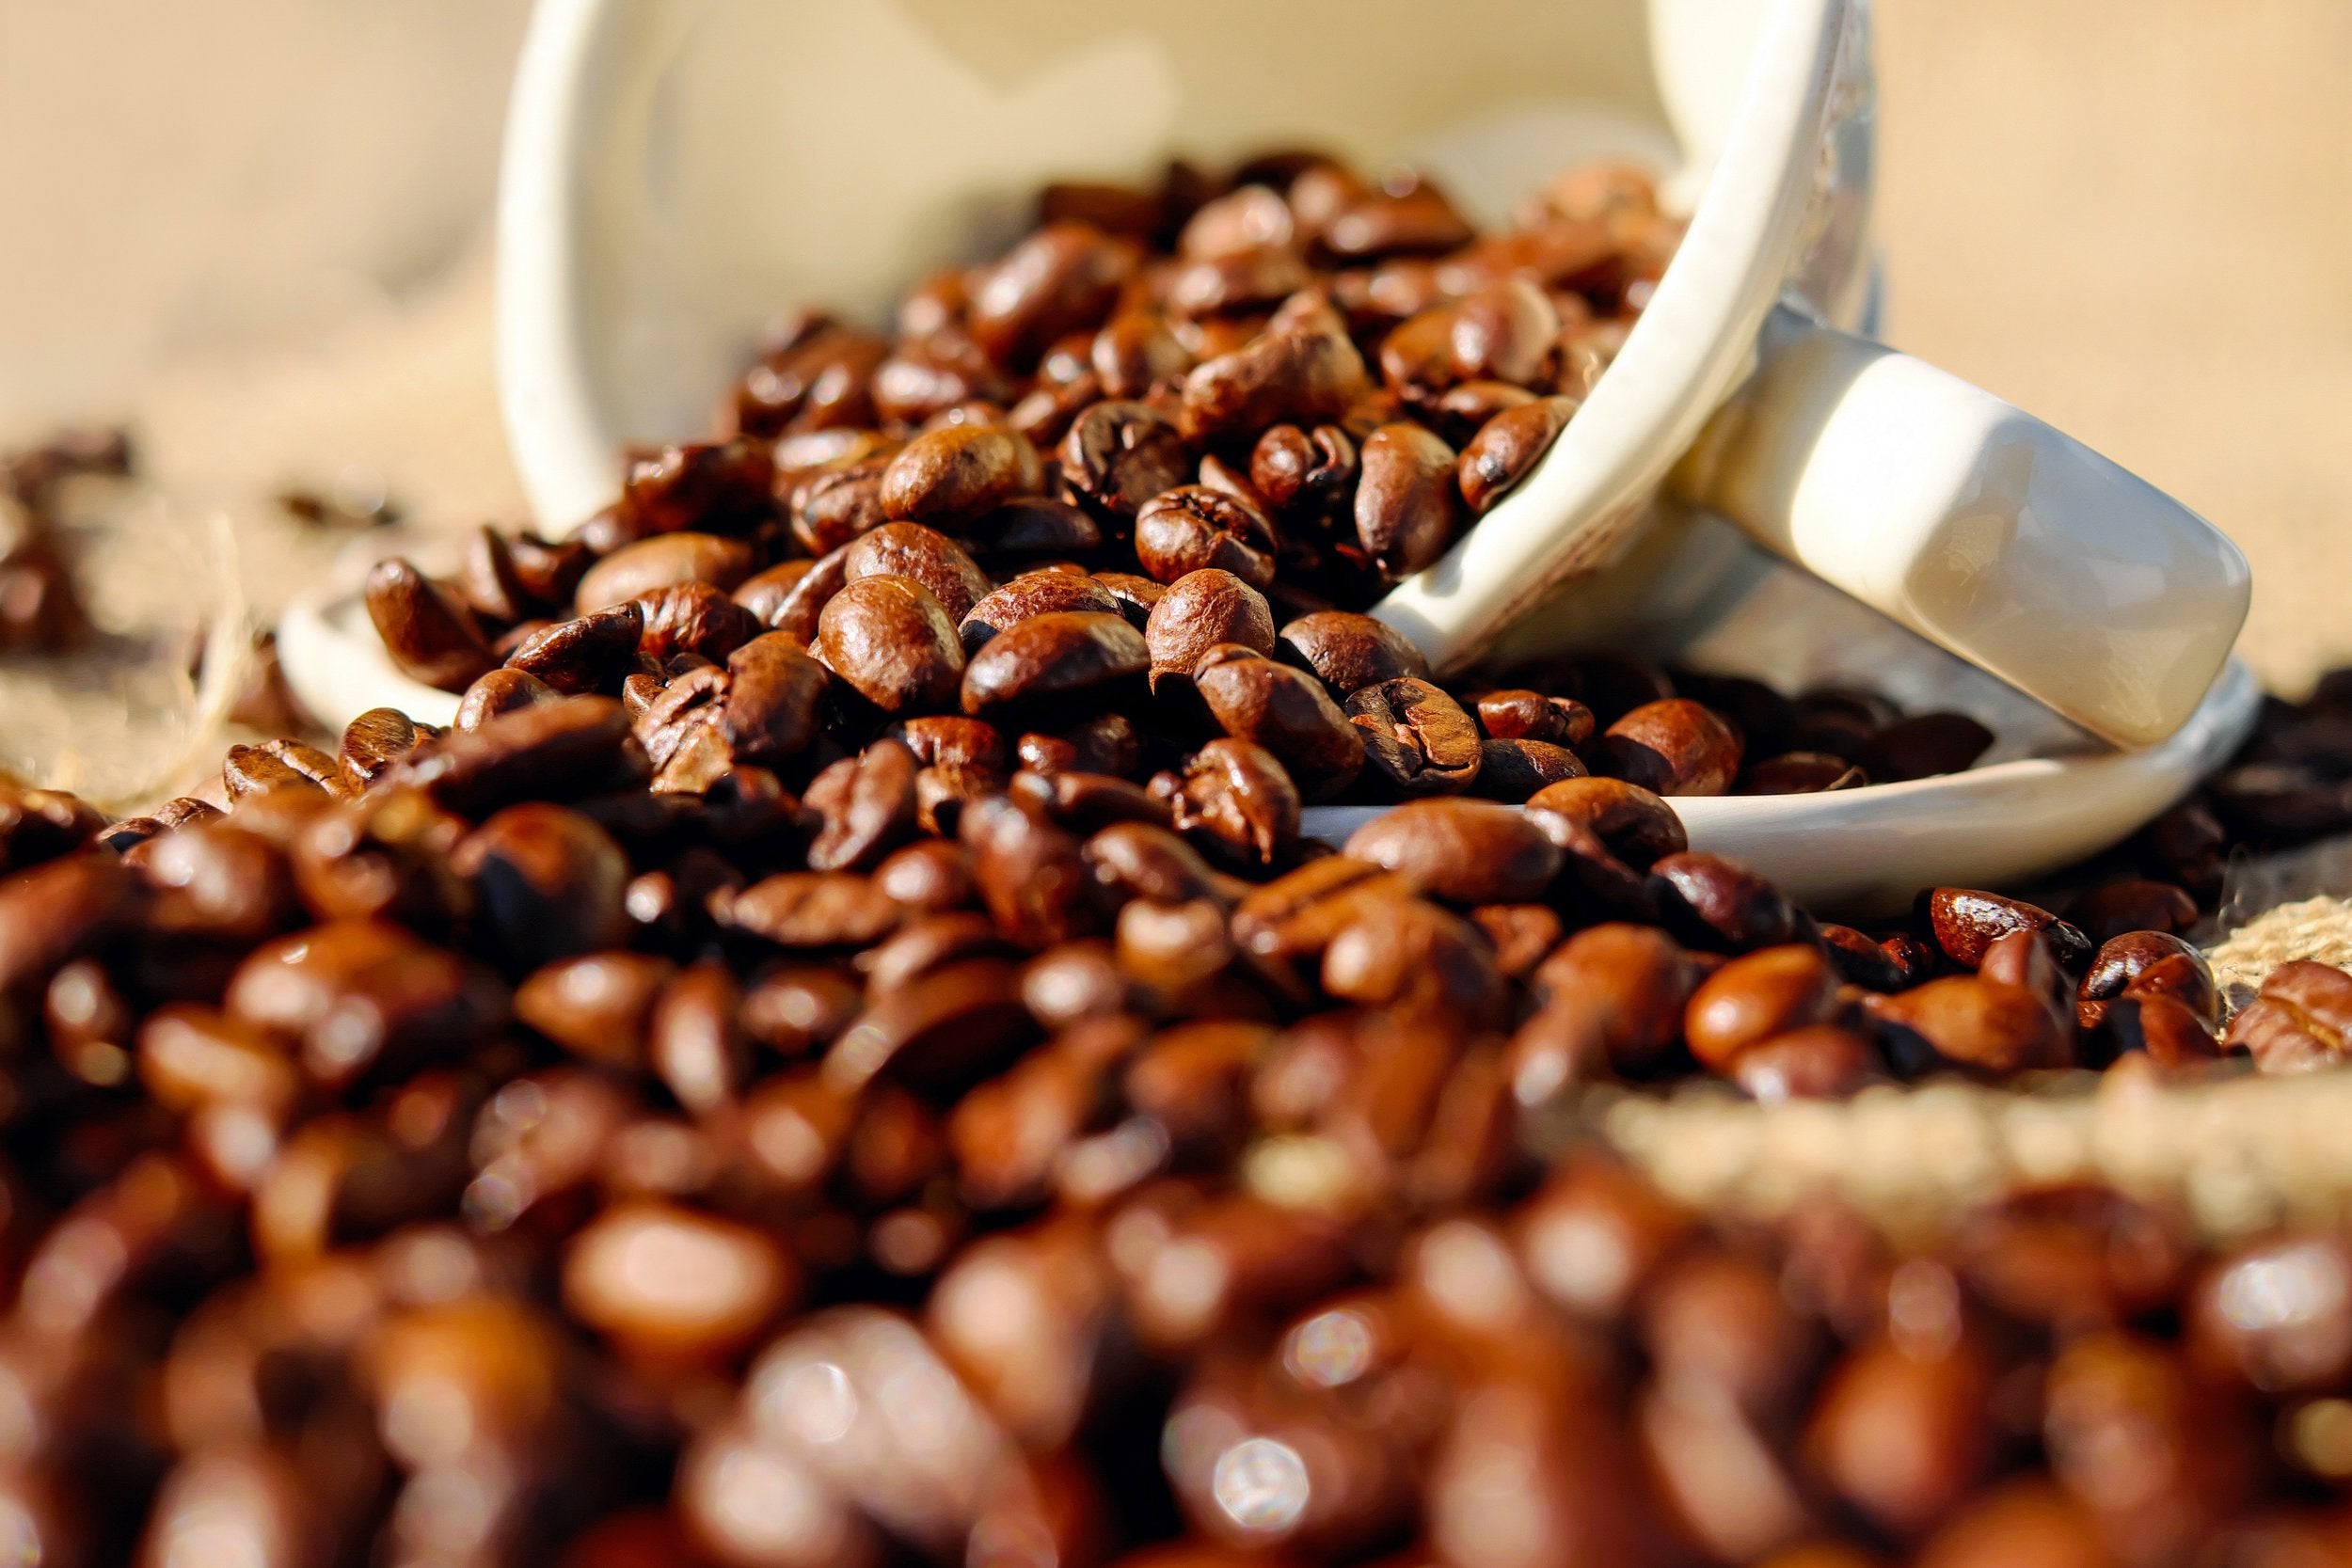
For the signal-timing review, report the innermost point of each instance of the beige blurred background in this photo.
(2132, 217)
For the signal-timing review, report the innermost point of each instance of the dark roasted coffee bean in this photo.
(1800, 773)
(1194, 528)
(1070, 656)
(789, 597)
(1039, 593)
(1348, 652)
(1924, 746)
(596, 1005)
(1756, 997)
(868, 803)
(1288, 713)
(1860, 960)
(2168, 1031)
(2300, 1022)
(920, 555)
(835, 504)
(1136, 593)
(1032, 526)
(810, 908)
(1517, 771)
(502, 690)
(1134, 352)
(1963, 922)
(1203, 610)
(1461, 851)
(1311, 471)
(563, 749)
(637, 569)
(1976, 1022)
(892, 642)
(1236, 803)
(548, 882)
(427, 631)
(1722, 905)
(691, 618)
(2115, 908)
(1674, 746)
(950, 475)
(1301, 375)
(1416, 737)
(1407, 506)
(590, 653)
(2149, 963)
(714, 488)
(1625, 819)
(1518, 714)
(1118, 455)
(1063, 277)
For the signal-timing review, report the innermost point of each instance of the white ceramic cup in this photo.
(678, 170)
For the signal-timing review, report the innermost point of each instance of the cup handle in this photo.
(1977, 526)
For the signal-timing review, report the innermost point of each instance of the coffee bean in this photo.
(1194, 528)
(1822, 1061)
(1924, 746)
(548, 882)
(1722, 905)
(672, 1285)
(427, 631)
(596, 1005)
(920, 555)
(2277, 1314)
(868, 803)
(791, 597)
(635, 570)
(1201, 611)
(562, 748)
(1288, 713)
(1062, 278)
(1964, 922)
(590, 653)
(1934, 1403)
(892, 642)
(1756, 997)
(1031, 526)
(2301, 1021)
(690, 618)
(1461, 851)
(1407, 506)
(1118, 455)
(1800, 773)
(1519, 714)
(249, 770)
(1039, 593)
(1627, 821)
(1674, 746)
(959, 472)
(1348, 652)
(1134, 352)
(1054, 659)
(1517, 771)
(832, 505)
(714, 488)
(1235, 802)
(1311, 471)
(1416, 737)
(1301, 375)
(1978, 1022)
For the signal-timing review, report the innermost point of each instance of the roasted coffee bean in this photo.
(2134, 905)
(1348, 652)
(1288, 713)
(1063, 277)
(374, 741)
(1516, 770)
(1935, 1401)
(1518, 714)
(1236, 803)
(1031, 526)
(672, 1285)
(1719, 904)
(1756, 997)
(1136, 350)
(1800, 773)
(1506, 447)
(1107, 743)
(1976, 1022)
(218, 880)
(1924, 746)
(716, 488)
(1461, 851)
(2148, 962)
(635, 570)
(502, 690)
(1418, 738)
(249, 770)
(789, 597)
(1822, 1061)
(1062, 657)
(1203, 610)
(1136, 594)
(1964, 922)
(590, 653)
(953, 740)
(427, 631)
(799, 1009)
(2277, 1315)
(892, 642)
(835, 504)
(1039, 593)
(1674, 746)
(1194, 528)
(1311, 471)
(548, 882)
(2168, 1031)
(1118, 455)
(1407, 506)
(868, 803)
(2301, 1021)
(949, 475)
(596, 1005)
(920, 555)
(690, 618)
(563, 749)
(1301, 375)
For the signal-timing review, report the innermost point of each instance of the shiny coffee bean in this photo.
(428, 631)
(1065, 657)
(1506, 447)
(1193, 528)
(1461, 851)
(1964, 922)
(920, 555)
(1203, 610)
(1674, 746)
(1407, 506)
(1032, 593)
(1418, 738)
(888, 639)
(1288, 713)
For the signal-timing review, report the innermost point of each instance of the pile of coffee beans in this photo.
(1124, 491)
(842, 1056)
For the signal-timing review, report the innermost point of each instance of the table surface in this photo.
(2133, 218)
